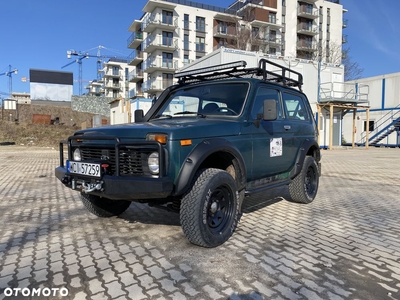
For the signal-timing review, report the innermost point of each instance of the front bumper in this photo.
(119, 187)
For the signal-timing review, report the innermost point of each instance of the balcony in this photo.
(271, 23)
(344, 38)
(135, 57)
(309, 1)
(135, 76)
(309, 46)
(224, 31)
(344, 24)
(136, 92)
(158, 63)
(135, 39)
(112, 73)
(158, 42)
(307, 12)
(151, 5)
(113, 86)
(273, 40)
(307, 29)
(157, 85)
(160, 21)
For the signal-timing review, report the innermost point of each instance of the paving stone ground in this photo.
(344, 245)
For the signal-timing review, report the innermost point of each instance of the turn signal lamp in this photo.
(159, 137)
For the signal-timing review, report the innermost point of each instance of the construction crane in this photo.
(85, 54)
(9, 73)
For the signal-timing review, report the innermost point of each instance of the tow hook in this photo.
(90, 187)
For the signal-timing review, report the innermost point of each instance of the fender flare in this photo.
(301, 155)
(199, 154)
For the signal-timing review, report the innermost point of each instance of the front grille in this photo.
(131, 161)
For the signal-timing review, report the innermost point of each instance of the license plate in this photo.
(82, 168)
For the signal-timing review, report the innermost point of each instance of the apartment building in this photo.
(113, 80)
(173, 33)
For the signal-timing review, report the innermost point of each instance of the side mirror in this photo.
(270, 112)
(139, 115)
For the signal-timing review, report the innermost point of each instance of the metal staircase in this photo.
(383, 128)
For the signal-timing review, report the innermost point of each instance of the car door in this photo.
(272, 141)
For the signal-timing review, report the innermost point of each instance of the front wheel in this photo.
(103, 207)
(209, 211)
(304, 186)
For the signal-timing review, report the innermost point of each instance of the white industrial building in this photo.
(383, 121)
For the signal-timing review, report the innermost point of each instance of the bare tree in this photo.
(336, 54)
(352, 69)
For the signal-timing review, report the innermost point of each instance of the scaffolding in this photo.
(344, 97)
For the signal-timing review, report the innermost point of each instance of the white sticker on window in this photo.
(275, 147)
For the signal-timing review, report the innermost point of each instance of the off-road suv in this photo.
(222, 133)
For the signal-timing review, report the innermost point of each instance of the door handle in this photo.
(287, 127)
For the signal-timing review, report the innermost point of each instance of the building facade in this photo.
(113, 82)
(171, 34)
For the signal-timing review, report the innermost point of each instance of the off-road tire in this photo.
(210, 209)
(304, 186)
(103, 207)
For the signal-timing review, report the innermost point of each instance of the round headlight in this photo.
(153, 162)
(77, 155)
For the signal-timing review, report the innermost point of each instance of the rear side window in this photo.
(295, 107)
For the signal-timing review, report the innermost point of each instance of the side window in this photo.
(265, 94)
(295, 107)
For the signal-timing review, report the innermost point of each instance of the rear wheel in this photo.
(103, 207)
(304, 186)
(209, 211)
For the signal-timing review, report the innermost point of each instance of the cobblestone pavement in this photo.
(344, 245)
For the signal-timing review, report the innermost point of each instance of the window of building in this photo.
(371, 126)
(200, 44)
(201, 24)
(186, 59)
(167, 17)
(167, 60)
(222, 27)
(283, 3)
(272, 35)
(186, 42)
(272, 51)
(167, 38)
(167, 80)
(272, 18)
(255, 32)
(185, 21)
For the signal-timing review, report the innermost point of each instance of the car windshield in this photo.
(205, 99)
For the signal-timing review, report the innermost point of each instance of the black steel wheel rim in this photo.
(310, 182)
(220, 209)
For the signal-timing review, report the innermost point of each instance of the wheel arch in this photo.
(212, 153)
(308, 148)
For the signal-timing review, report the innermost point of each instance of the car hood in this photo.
(176, 128)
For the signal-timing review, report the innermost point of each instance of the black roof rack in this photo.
(238, 69)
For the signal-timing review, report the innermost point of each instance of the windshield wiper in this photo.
(161, 116)
(190, 113)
